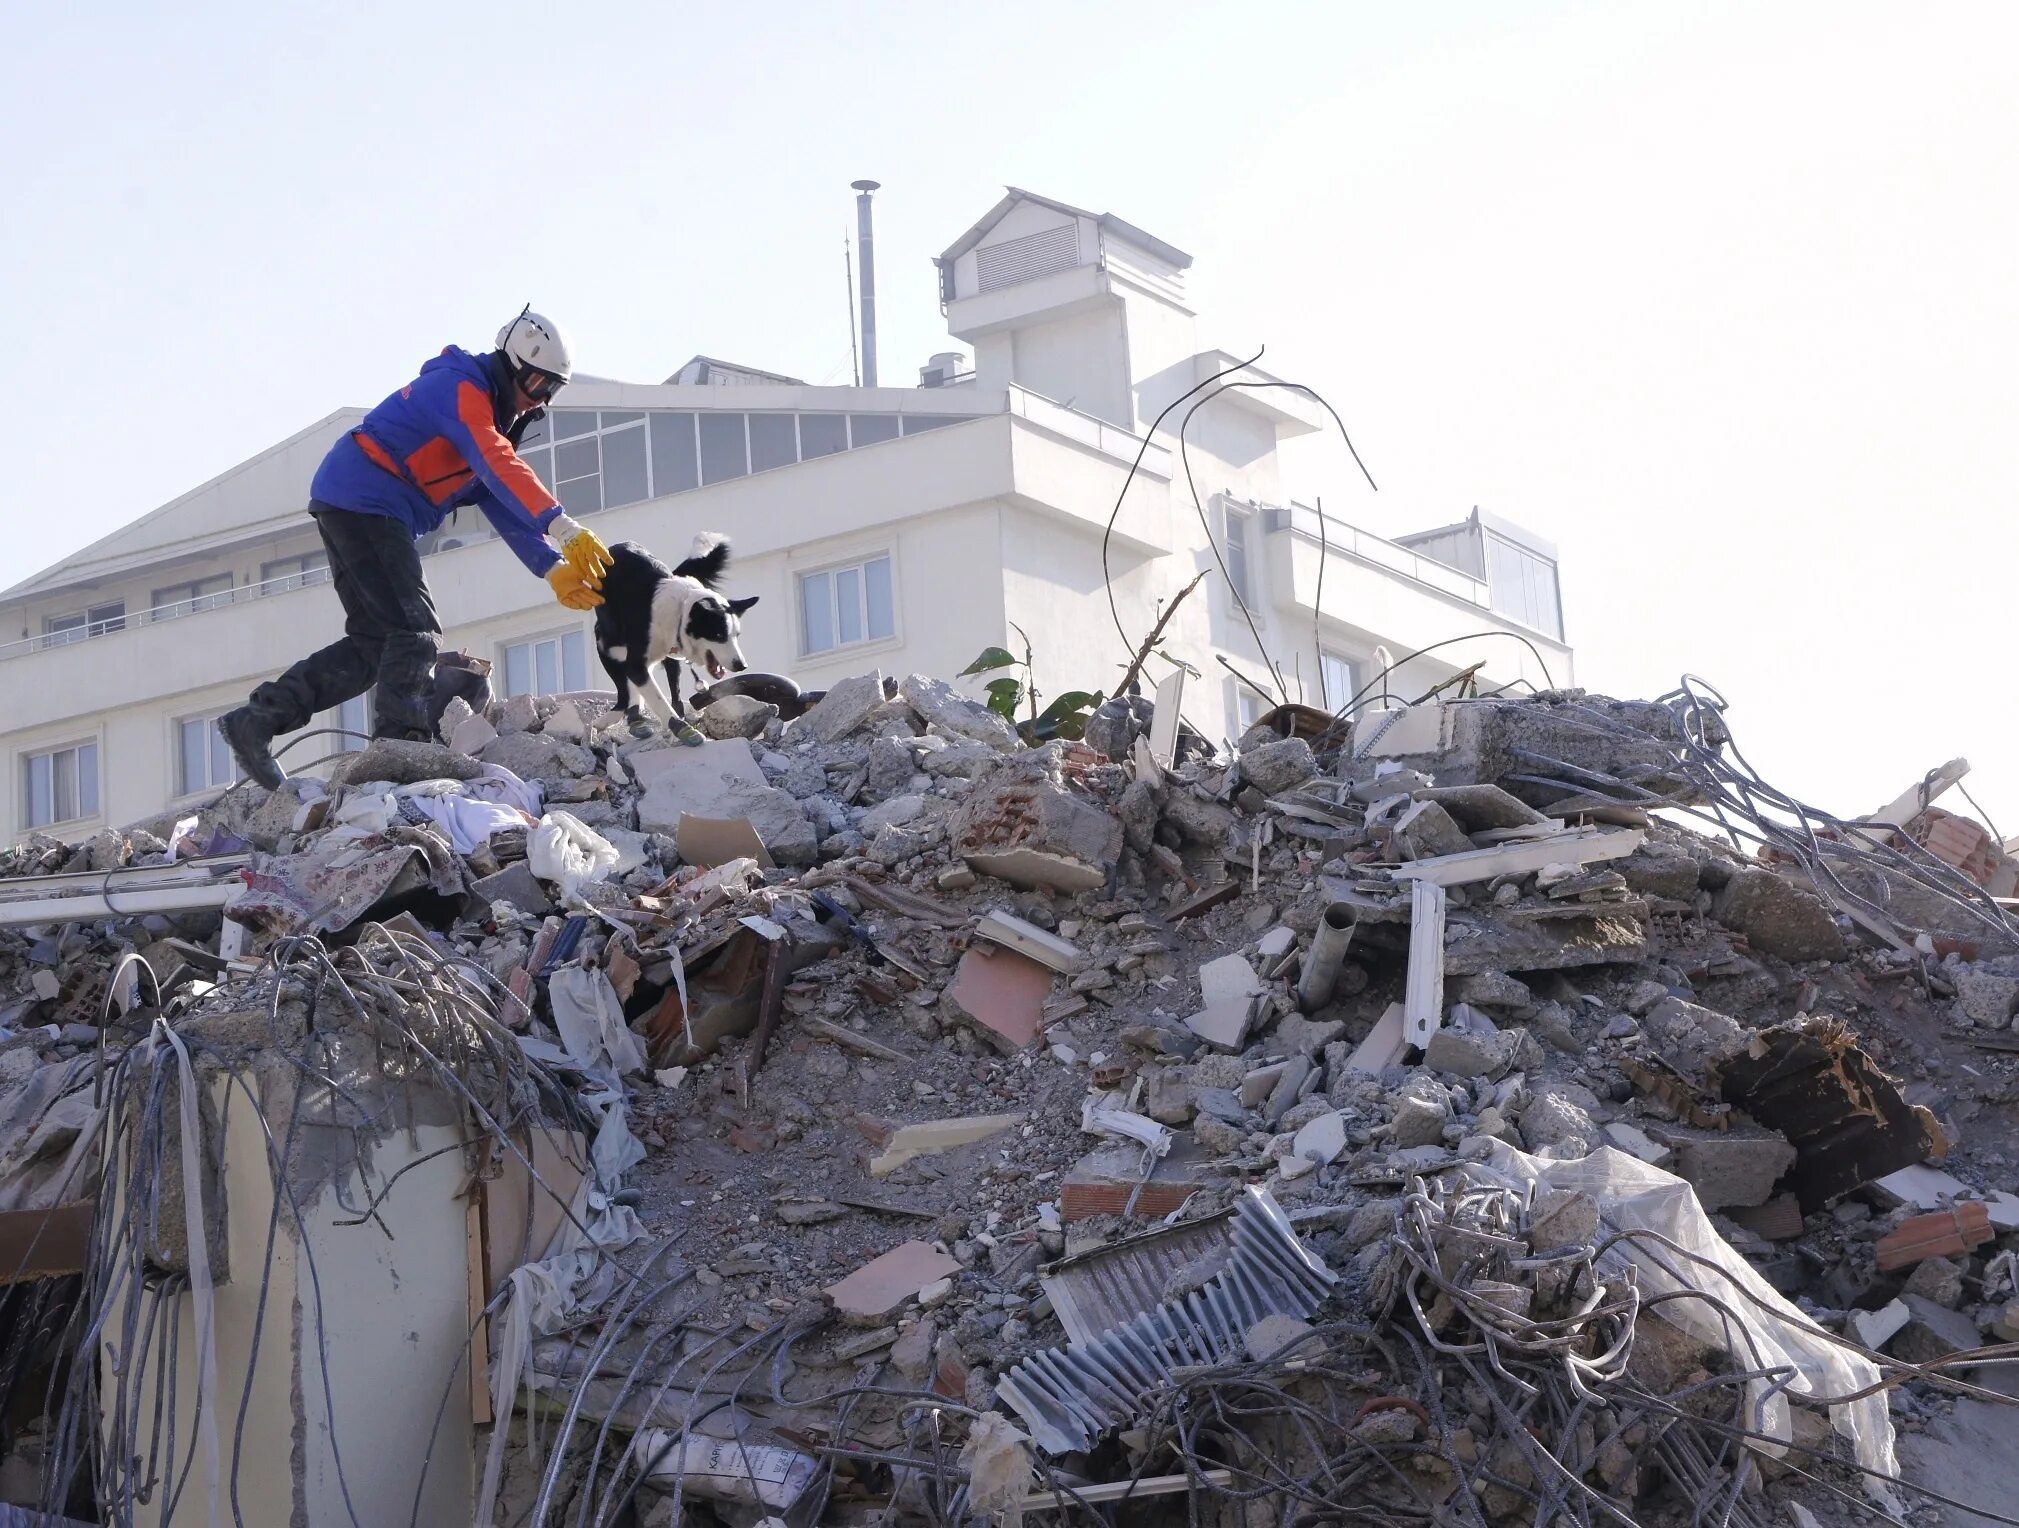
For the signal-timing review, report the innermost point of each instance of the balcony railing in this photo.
(174, 611)
(1339, 536)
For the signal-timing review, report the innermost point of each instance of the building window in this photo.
(178, 600)
(1239, 523)
(549, 665)
(774, 441)
(676, 461)
(839, 607)
(203, 762)
(594, 460)
(1339, 680)
(285, 573)
(822, 435)
(1523, 586)
(60, 785)
(589, 460)
(81, 625)
(1249, 708)
(725, 449)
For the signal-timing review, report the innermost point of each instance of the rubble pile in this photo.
(1409, 1110)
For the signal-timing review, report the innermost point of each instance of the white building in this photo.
(894, 527)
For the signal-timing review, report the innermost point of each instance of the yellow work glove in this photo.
(582, 548)
(571, 589)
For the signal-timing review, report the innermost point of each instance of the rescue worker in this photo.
(445, 441)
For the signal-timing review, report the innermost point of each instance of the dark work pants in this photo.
(390, 637)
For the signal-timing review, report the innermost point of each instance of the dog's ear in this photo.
(737, 607)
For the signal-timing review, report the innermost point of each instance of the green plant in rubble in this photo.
(1065, 717)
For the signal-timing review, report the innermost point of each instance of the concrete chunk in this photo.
(1738, 1166)
(844, 708)
(1278, 766)
(883, 1285)
(943, 707)
(1778, 917)
(1037, 836)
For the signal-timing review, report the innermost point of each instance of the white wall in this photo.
(396, 1317)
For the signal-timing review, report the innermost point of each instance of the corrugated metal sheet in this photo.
(1036, 254)
(1070, 1396)
(1110, 1287)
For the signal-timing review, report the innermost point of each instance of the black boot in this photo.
(249, 735)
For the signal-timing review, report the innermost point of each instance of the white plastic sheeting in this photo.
(567, 851)
(1759, 1327)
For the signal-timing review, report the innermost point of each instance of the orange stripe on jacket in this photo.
(438, 469)
(473, 407)
(378, 454)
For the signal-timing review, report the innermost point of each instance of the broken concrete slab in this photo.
(1491, 989)
(1036, 835)
(934, 1136)
(734, 716)
(844, 708)
(885, 1284)
(943, 707)
(399, 762)
(1985, 998)
(1470, 1051)
(1873, 1329)
(1278, 766)
(1323, 1140)
(1580, 846)
(1560, 937)
(1003, 992)
(1634, 1141)
(1933, 1332)
(1778, 917)
(1484, 808)
(1688, 1034)
(535, 756)
(1229, 989)
(1727, 1167)
(1384, 1046)
(1425, 831)
(516, 886)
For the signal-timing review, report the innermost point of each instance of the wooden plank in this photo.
(1583, 847)
(1122, 1490)
(839, 1035)
(1423, 1012)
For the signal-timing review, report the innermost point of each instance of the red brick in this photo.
(1947, 1233)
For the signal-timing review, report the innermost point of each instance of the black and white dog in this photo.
(655, 618)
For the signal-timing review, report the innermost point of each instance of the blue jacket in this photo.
(437, 445)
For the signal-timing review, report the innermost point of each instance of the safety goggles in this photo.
(539, 385)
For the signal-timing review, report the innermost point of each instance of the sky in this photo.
(1719, 298)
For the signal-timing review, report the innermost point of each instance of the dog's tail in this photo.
(709, 559)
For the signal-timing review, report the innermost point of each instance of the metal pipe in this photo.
(865, 243)
(121, 904)
(1328, 953)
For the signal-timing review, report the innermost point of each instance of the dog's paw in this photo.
(640, 724)
(687, 734)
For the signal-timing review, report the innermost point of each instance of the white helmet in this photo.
(532, 342)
